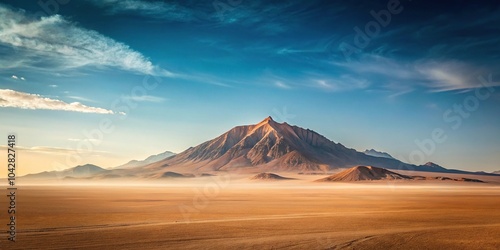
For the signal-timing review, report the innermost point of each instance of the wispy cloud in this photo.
(154, 9)
(387, 62)
(403, 77)
(14, 99)
(147, 98)
(63, 45)
(261, 16)
(79, 140)
(281, 85)
(51, 150)
(43, 149)
(264, 17)
(342, 83)
(452, 75)
(379, 65)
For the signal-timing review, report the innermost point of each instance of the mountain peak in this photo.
(268, 123)
(431, 164)
(267, 120)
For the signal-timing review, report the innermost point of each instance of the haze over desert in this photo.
(238, 213)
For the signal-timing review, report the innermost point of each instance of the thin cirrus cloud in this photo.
(281, 85)
(148, 98)
(43, 149)
(434, 75)
(50, 150)
(153, 9)
(15, 99)
(342, 83)
(259, 15)
(79, 140)
(62, 45)
(454, 75)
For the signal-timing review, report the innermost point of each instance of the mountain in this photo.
(373, 152)
(267, 146)
(270, 146)
(496, 172)
(365, 173)
(80, 171)
(149, 160)
(432, 167)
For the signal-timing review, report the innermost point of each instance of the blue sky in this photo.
(367, 74)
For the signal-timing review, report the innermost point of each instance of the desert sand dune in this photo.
(365, 173)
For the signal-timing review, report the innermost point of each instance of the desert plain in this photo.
(234, 212)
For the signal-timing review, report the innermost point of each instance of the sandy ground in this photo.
(239, 214)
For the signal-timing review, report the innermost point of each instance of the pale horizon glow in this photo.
(168, 76)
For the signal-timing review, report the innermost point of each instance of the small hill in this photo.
(84, 170)
(207, 175)
(174, 175)
(365, 173)
(269, 176)
(496, 172)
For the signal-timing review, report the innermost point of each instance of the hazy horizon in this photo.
(155, 76)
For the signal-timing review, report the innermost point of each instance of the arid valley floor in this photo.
(237, 213)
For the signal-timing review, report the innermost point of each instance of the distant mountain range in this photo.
(496, 172)
(270, 146)
(81, 171)
(267, 146)
(149, 160)
(373, 152)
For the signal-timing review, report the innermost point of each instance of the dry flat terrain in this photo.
(256, 215)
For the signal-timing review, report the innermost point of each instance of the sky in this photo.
(108, 81)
